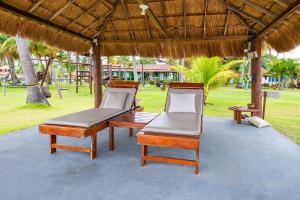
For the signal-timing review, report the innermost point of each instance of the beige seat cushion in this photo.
(198, 101)
(115, 100)
(175, 123)
(182, 103)
(129, 100)
(85, 118)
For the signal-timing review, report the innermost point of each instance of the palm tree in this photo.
(282, 67)
(212, 72)
(8, 52)
(134, 68)
(34, 92)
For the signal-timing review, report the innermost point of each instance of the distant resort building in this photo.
(4, 70)
(152, 72)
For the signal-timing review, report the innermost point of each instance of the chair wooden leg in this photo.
(234, 116)
(52, 140)
(144, 153)
(111, 139)
(197, 161)
(130, 132)
(93, 152)
(238, 117)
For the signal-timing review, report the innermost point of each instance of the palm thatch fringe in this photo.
(177, 49)
(291, 33)
(14, 25)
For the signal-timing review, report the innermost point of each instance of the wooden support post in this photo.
(52, 140)
(97, 74)
(256, 91)
(91, 75)
(76, 78)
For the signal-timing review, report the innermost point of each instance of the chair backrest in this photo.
(123, 84)
(180, 88)
(130, 87)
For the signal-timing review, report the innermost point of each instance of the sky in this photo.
(295, 53)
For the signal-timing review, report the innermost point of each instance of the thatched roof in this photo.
(171, 28)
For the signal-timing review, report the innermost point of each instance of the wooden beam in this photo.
(181, 28)
(195, 14)
(259, 8)
(239, 17)
(23, 14)
(87, 11)
(155, 20)
(204, 20)
(235, 37)
(184, 18)
(97, 74)
(35, 5)
(281, 2)
(268, 7)
(163, 12)
(95, 22)
(256, 76)
(107, 19)
(114, 30)
(147, 26)
(226, 24)
(125, 11)
(61, 10)
(148, 1)
(255, 19)
(107, 4)
(292, 8)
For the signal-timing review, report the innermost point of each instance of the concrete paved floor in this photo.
(237, 162)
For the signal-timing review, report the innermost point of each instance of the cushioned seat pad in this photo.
(85, 118)
(175, 123)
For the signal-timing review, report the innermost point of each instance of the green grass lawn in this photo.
(283, 113)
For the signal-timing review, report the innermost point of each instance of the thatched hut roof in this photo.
(171, 28)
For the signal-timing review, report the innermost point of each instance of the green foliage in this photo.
(281, 67)
(38, 49)
(209, 71)
(147, 60)
(9, 48)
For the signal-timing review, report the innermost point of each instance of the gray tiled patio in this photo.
(237, 162)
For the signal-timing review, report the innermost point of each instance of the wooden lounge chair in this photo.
(88, 122)
(175, 129)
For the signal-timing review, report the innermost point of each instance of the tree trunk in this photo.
(240, 83)
(12, 71)
(279, 81)
(56, 82)
(135, 74)
(69, 67)
(34, 92)
(181, 76)
(46, 72)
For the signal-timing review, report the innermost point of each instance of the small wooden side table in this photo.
(237, 112)
(129, 120)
